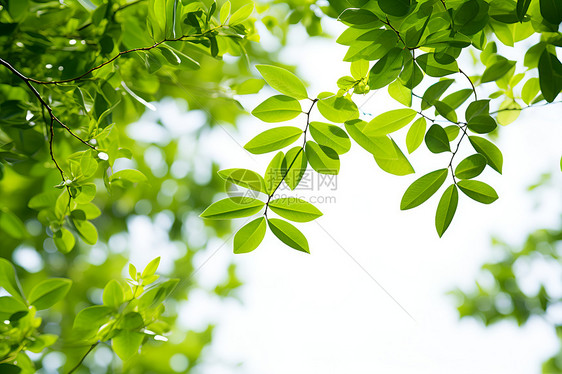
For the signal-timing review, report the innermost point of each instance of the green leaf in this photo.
(477, 108)
(296, 162)
(551, 10)
(422, 189)
(456, 99)
(445, 111)
(356, 16)
(359, 69)
(415, 135)
(233, 207)
(434, 92)
(224, 12)
(250, 236)
(509, 111)
(276, 170)
(131, 321)
(452, 132)
(437, 140)
(85, 193)
(386, 69)
(397, 8)
(522, 6)
(49, 292)
(129, 175)
(10, 305)
(250, 86)
(389, 122)
(400, 93)
(10, 369)
(244, 178)
(241, 14)
(9, 281)
(126, 343)
(394, 163)
(273, 139)
(288, 234)
(478, 191)
(530, 90)
(294, 209)
(278, 108)
(433, 68)
(337, 109)
(446, 209)
(151, 267)
(113, 295)
(489, 150)
(497, 70)
(12, 225)
(64, 240)
(322, 159)
(470, 167)
(283, 81)
(550, 75)
(330, 136)
(482, 124)
(86, 230)
(92, 318)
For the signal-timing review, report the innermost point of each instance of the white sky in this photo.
(323, 313)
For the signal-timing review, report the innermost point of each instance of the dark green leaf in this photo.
(482, 124)
(386, 69)
(397, 8)
(434, 92)
(550, 75)
(437, 140)
(471, 166)
(489, 150)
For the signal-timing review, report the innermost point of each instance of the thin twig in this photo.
(294, 159)
(68, 80)
(83, 358)
(471, 84)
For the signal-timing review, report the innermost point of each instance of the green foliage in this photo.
(74, 74)
(130, 314)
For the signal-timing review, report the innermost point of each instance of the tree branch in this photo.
(68, 80)
(294, 160)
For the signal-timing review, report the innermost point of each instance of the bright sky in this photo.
(372, 295)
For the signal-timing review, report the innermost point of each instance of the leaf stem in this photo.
(92, 347)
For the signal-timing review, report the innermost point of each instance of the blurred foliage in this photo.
(519, 284)
(75, 178)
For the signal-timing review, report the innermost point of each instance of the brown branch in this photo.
(471, 84)
(52, 116)
(183, 37)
